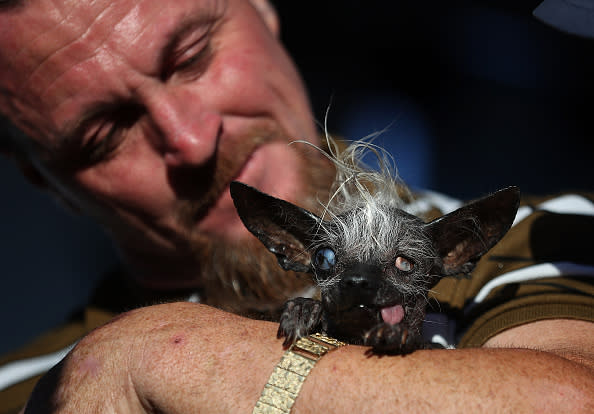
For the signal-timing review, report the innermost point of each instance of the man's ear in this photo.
(463, 236)
(268, 14)
(284, 228)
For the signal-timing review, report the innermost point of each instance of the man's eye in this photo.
(103, 141)
(191, 59)
(194, 65)
(104, 138)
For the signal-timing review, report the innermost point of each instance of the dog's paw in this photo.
(392, 339)
(299, 318)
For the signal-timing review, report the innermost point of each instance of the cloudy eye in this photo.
(325, 258)
(403, 264)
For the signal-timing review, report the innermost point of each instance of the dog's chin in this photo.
(351, 324)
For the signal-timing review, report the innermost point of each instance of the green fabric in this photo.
(540, 238)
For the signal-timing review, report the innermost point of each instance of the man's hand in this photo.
(182, 357)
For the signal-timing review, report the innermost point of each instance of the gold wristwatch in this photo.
(285, 382)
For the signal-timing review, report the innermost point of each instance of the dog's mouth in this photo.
(352, 323)
(392, 314)
(366, 314)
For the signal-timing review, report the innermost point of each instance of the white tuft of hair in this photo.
(356, 183)
(362, 206)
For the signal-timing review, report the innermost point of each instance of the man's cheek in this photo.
(132, 185)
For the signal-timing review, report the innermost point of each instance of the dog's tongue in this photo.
(393, 314)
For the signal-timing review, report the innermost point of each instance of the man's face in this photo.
(142, 112)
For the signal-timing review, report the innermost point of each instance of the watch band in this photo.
(285, 382)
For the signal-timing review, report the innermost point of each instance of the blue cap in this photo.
(575, 17)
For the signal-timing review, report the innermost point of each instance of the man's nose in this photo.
(188, 132)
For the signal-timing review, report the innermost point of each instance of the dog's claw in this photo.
(391, 339)
(300, 317)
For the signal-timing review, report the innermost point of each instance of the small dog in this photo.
(373, 262)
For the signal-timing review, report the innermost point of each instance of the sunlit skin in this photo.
(150, 98)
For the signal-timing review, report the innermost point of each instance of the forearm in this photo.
(242, 354)
(188, 358)
(472, 380)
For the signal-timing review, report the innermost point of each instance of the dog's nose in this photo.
(359, 285)
(357, 281)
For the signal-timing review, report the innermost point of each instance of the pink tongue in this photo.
(393, 314)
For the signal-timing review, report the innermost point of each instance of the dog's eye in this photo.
(325, 258)
(403, 264)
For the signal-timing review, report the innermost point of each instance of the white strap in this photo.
(567, 204)
(17, 371)
(535, 272)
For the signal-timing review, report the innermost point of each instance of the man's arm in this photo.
(570, 339)
(190, 358)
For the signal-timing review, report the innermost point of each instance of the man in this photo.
(164, 193)
(140, 113)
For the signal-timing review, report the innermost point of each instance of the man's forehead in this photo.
(54, 52)
(44, 42)
(40, 30)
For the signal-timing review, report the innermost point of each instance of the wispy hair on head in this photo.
(356, 183)
(362, 203)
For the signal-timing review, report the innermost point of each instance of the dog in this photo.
(373, 262)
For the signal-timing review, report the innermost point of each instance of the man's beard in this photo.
(243, 276)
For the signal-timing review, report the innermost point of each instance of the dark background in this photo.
(473, 96)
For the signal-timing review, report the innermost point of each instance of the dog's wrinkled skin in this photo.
(374, 267)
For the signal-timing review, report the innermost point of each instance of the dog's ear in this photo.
(464, 235)
(282, 227)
